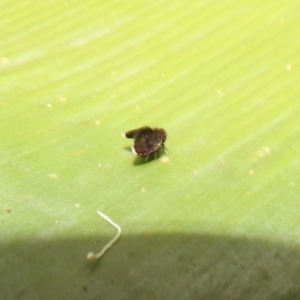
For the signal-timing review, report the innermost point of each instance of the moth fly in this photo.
(147, 140)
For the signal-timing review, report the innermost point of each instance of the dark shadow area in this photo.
(153, 266)
(128, 148)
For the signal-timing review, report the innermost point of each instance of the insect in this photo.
(147, 140)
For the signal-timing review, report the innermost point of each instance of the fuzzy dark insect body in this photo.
(147, 140)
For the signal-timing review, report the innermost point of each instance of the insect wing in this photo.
(131, 133)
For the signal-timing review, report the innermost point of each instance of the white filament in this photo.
(92, 255)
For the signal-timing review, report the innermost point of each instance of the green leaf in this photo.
(215, 218)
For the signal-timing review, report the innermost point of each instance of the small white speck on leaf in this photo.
(251, 172)
(165, 160)
(4, 60)
(220, 93)
(53, 176)
(62, 99)
(263, 151)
